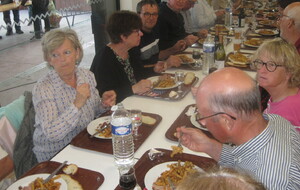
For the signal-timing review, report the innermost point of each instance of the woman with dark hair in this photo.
(116, 68)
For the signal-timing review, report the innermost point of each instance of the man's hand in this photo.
(190, 39)
(196, 140)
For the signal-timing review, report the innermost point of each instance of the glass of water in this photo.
(136, 118)
(179, 78)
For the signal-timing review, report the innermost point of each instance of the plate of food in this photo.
(238, 58)
(220, 27)
(186, 59)
(266, 32)
(164, 82)
(253, 42)
(36, 181)
(195, 123)
(97, 124)
(158, 176)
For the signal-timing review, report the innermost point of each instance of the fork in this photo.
(179, 140)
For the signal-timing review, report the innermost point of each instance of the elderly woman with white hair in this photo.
(66, 99)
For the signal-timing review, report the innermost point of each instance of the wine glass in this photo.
(127, 178)
(179, 78)
(196, 57)
(136, 118)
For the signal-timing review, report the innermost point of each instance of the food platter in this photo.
(155, 79)
(155, 172)
(253, 42)
(195, 123)
(266, 32)
(186, 59)
(92, 126)
(27, 180)
(238, 58)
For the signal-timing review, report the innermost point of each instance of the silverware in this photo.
(99, 131)
(179, 140)
(172, 186)
(55, 172)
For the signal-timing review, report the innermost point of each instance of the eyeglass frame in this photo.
(148, 15)
(282, 15)
(215, 114)
(265, 64)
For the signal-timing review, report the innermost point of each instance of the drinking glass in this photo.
(127, 178)
(237, 45)
(136, 118)
(179, 78)
(196, 57)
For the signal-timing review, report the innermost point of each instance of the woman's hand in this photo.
(142, 86)
(109, 98)
(82, 94)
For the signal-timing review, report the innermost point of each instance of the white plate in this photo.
(195, 123)
(91, 128)
(250, 45)
(152, 175)
(275, 32)
(154, 79)
(27, 180)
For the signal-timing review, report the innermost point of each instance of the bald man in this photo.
(265, 146)
(289, 24)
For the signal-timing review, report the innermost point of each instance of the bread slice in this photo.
(72, 183)
(70, 169)
(189, 78)
(148, 120)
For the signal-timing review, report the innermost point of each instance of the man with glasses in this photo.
(264, 146)
(148, 50)
(289, 23)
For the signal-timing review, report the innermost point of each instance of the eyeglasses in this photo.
(281, 16)
(270, 65)
(148, 15)
(198, 118)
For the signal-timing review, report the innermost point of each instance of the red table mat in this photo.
(83, 139)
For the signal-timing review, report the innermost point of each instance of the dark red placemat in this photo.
(145, 164)
(83, 139)
(182, 120)
(87, 178)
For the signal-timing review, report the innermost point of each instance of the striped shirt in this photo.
(272, 157)
(57, 119)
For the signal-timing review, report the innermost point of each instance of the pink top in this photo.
(289, 108)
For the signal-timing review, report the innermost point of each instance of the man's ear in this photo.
(228, 122)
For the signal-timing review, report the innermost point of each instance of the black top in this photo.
(110, 74)
(171, 27)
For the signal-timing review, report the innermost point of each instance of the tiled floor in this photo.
(21, 59)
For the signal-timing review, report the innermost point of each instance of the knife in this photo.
(55, 172)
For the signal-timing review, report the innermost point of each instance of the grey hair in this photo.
(242, 103)
(55, 38)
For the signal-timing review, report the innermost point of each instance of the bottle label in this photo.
(121, 130)
(209, 49)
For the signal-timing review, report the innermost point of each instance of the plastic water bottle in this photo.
(228, 14)
(209, 54)
(123, 146)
